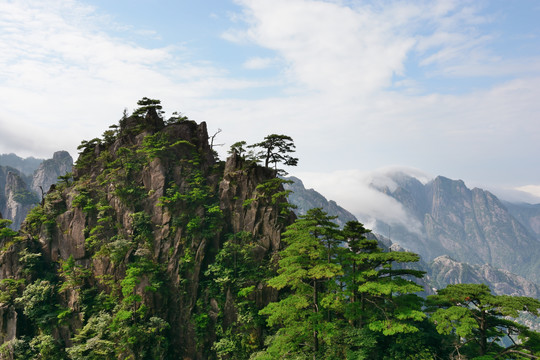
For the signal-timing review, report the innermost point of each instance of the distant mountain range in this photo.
(465, 236)
(469, 225)
(26, 166)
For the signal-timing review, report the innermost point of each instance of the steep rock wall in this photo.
(142, 222)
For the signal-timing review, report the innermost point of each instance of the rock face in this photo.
(19, 192)
(15, 198)
(471, 226)
(49, 170)
(147, 213)
(444, 270)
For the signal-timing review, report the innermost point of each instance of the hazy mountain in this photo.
(19, 192)
(527, 214)
(49, 170)
(23, 165)
(15, 197)
(470, 225)
(306, 199)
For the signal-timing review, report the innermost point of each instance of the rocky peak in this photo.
(153, 197)
(48, 172)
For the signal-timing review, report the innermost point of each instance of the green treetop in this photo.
(146, 104)
(276, 149)
(470, 312)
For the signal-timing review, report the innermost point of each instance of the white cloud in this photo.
(530, 190)
(359, 49)
(327, 47)
(257, 63)
(520, 194)
(362, 193)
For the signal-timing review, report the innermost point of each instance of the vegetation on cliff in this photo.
(154, 249)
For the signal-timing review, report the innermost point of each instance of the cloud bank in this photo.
(358, 85)
(362, 194)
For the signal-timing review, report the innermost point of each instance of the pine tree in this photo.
(473, 313)
(306, 270)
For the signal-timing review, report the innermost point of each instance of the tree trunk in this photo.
(315, 310)
(483, 336)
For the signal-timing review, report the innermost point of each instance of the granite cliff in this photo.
(131, 255)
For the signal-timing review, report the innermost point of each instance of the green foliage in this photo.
(31, 262)
(9, 289)
(235, 268)
(160, 146)
(176, 118)
(275, 149)
(195, 206)
(307, 267)
(39, 303)
(238, 147)
(333, 293)
(146, 104)
(26, 197)
(271, 192)
(473, 313)
(120, 336)
(101, 346)
(7, 235)
(35, 219)
(143, 232)
(42, 346)
(233, 277)
(87, 155)
(65, 180)
(74, 275)
(85, 201)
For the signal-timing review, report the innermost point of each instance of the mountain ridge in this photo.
(471, 225)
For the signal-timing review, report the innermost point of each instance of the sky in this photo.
(429, 87)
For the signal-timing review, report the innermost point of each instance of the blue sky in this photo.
(444, 87)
